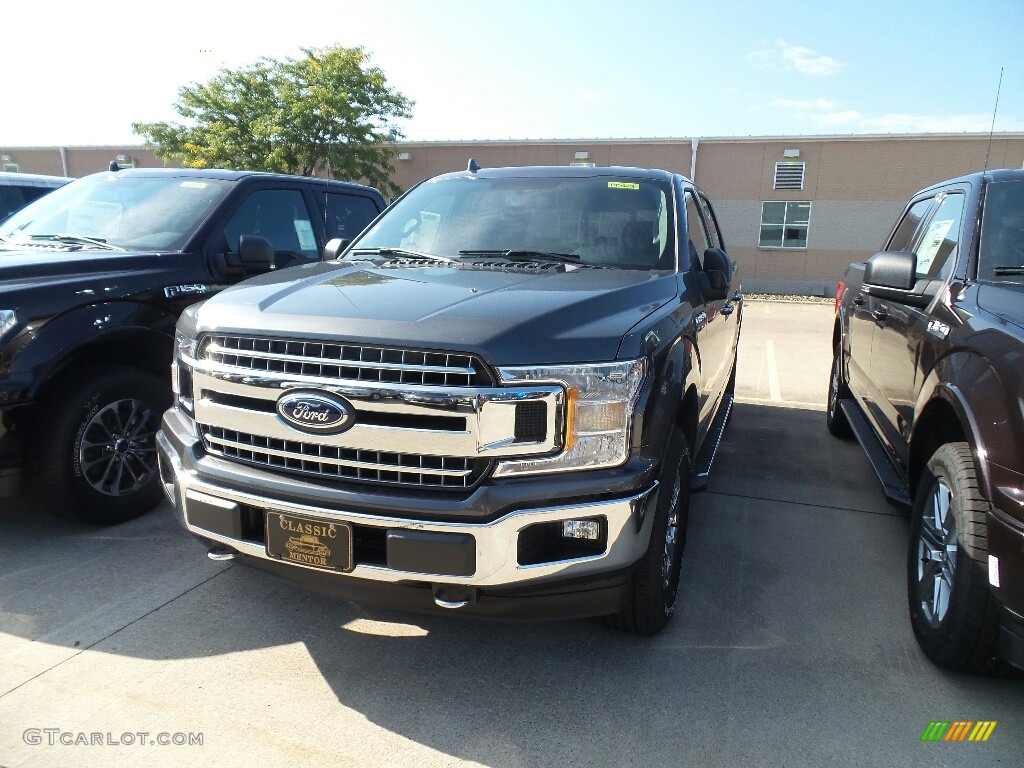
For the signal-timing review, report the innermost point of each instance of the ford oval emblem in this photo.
(319, 413)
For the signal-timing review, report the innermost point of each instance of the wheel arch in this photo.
(142, 348)
(943, 418)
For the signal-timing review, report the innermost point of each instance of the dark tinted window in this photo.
(709, 218)
(1001, 255)
(902, 238)
(698, 234)
(11, 199)
(279, 215)
(348, 215)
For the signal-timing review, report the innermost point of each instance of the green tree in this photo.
(326, 111)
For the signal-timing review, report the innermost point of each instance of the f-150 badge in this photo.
(938, 329)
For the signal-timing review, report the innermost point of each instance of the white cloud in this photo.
(804, 60)
(845, 117)
(805, 105)
(902, 122)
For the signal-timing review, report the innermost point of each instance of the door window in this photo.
(903, 237)
(695, 229)
(279, 215)
(937, 249)
(348, 215)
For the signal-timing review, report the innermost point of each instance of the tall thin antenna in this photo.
(994, 110)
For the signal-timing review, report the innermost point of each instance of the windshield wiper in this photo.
(77, 240)
(570, 258)
(405, 252)
(1009, 270)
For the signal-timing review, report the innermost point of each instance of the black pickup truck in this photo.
(497, 401)
(928, 373)
(93, 277)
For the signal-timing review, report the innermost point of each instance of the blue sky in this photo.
(539, 69)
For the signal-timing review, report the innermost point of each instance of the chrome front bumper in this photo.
(628, 523)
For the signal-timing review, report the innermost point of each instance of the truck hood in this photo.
(508, 314)
(1006, 301)
(29, 267)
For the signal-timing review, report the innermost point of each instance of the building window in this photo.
(789, 175)
(10, 167)
(784, 225)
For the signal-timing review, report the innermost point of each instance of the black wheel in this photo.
(837, 390)
(656, 582)
(94, 457)
(953, 613)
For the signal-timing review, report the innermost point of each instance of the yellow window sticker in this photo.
(622, 185)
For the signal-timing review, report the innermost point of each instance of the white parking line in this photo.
(773, 373)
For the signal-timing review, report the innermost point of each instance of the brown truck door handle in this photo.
(880, 314)
(859, 301)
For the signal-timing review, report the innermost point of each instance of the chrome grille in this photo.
(347, 464)
(351, 362)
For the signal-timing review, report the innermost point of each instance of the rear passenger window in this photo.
(348, 215)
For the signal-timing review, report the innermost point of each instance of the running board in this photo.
(893, 486)
(702, 466)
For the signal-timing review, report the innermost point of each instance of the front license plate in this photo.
(307, 541)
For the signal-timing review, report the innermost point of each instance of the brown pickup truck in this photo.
(927, 374)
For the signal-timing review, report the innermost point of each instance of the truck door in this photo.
(282, 216)
(863, 308)
(710, 323)
(901, 330)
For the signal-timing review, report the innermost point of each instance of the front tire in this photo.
(952, 611)
(835, 419)
(95, 457)
(656, 582)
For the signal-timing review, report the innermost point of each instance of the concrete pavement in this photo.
(791, 645)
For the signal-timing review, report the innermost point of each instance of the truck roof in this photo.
(999, 174)
(562, 171)
(231, 175)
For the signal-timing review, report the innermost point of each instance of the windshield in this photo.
(131, 212)
(1001, 255)
(612, 221)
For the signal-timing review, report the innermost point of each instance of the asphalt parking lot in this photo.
(791, 645)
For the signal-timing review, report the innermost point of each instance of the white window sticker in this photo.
(931, 243)
(307, 240)
(95, 219)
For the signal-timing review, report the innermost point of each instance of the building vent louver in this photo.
(789, 176)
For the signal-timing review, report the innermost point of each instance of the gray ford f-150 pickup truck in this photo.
(927, 373)
(496, 401)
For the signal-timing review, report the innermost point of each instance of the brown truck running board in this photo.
(893, 485)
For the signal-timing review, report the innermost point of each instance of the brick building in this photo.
(794, 210)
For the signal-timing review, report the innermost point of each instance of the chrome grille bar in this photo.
(351, 362)
(344, 464)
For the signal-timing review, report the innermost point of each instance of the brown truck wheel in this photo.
(952, 611)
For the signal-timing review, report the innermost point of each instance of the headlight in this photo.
(7, 321)
(600, 400)
(181, 372)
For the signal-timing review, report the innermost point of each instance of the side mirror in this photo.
(256, 254)
(334, 248)
(891, 269)
(892, 275)
(716, 276)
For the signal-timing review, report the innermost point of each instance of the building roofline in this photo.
(616, 140)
